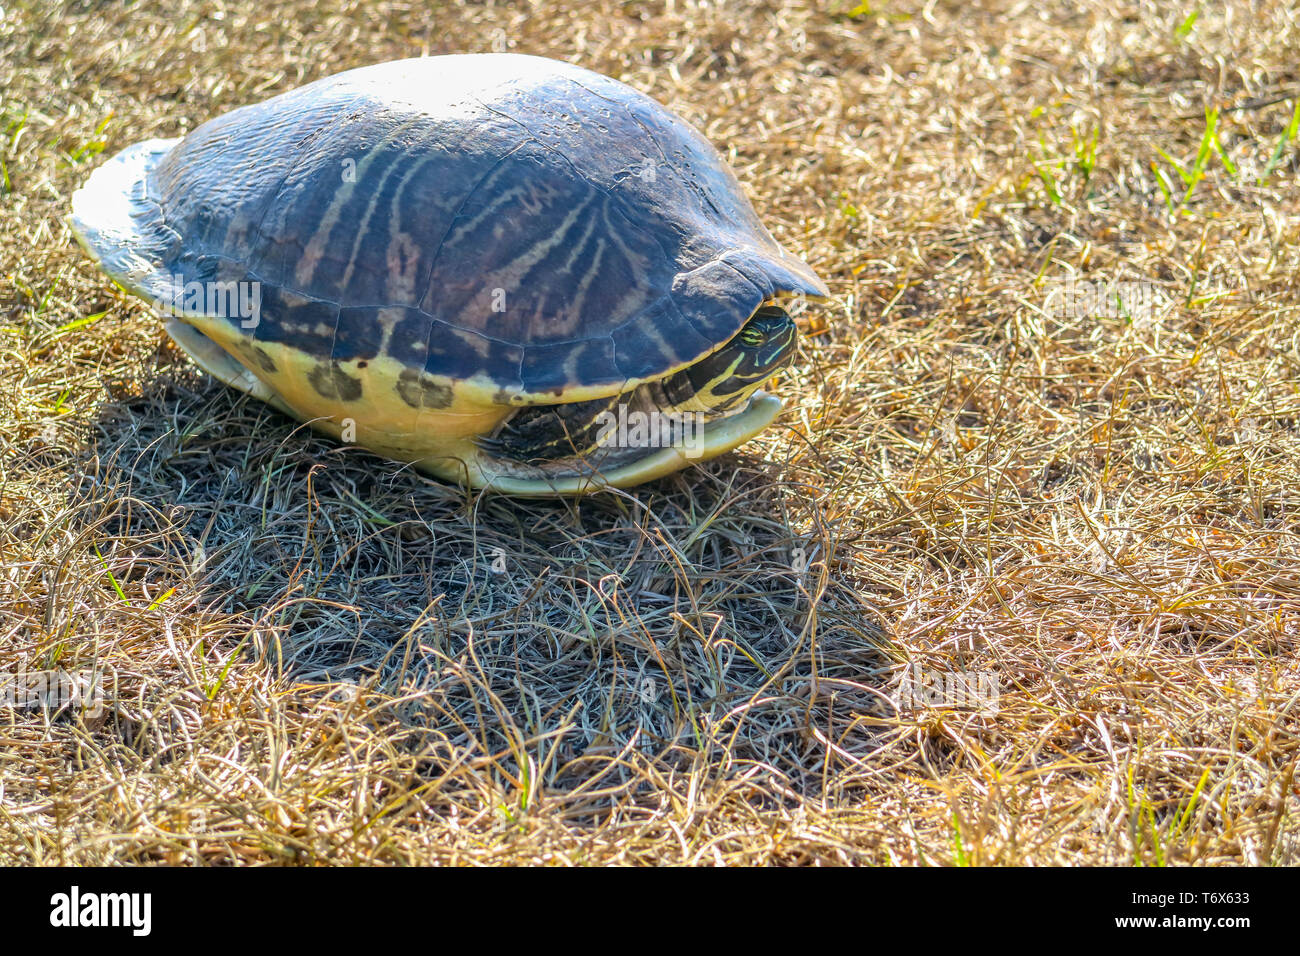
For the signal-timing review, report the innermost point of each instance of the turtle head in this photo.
(624, 439)
(728, 377)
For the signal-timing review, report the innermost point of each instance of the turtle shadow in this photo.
(708, 610)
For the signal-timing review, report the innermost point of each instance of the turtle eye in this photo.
(752, 337)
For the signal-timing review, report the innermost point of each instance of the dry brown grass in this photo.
(314, 661)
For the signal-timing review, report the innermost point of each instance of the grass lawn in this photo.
(1015, 578)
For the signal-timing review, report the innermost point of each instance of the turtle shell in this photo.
(542, 231)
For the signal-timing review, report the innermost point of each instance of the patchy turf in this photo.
(1086, 497)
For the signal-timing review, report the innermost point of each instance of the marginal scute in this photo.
(332, 382)
(296, 321)
(504, 396)
(264, 360)
(419, 392)
(459, 353)
(548, 367)
(718, 297)
(650, 346)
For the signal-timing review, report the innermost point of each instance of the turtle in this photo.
(510, 271)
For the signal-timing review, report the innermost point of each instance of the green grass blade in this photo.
(1280, 150)
(112, 580)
